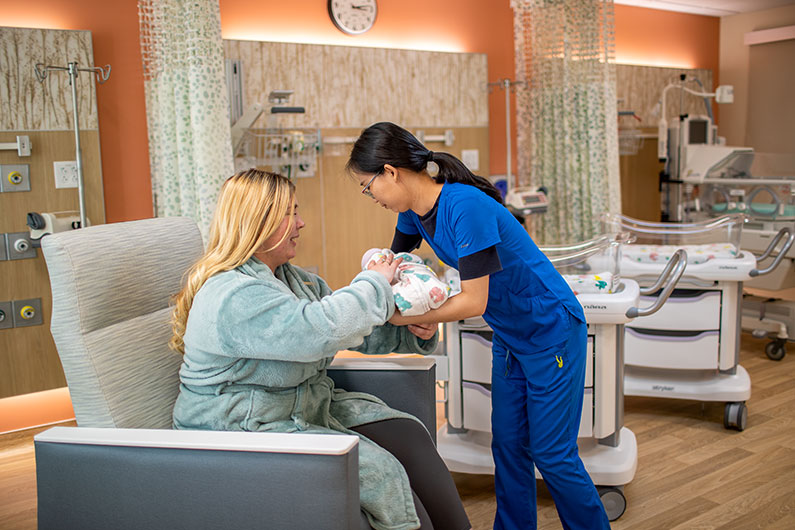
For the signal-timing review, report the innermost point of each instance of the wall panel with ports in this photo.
(43, 112)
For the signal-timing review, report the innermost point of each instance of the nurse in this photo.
(539, 345)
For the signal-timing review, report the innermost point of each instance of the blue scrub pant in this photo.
(536, 409)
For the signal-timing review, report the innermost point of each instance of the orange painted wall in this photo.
(664, 38)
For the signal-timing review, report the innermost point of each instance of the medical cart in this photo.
(690, 348)
(607, 448)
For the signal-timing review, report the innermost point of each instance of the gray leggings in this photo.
(435, 495)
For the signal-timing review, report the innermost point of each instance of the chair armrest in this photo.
(404, 383)
(148, 478)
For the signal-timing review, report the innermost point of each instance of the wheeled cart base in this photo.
(770, 318)
(610, 467)
(698, 385)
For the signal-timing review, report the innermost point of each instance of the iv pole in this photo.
(505, 84)
(73, 69)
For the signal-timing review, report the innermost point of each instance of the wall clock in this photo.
(353, 17)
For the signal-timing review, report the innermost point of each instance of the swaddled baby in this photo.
(416, 287)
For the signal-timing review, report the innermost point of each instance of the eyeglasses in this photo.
(366, 189)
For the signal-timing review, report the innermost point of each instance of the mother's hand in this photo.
(386, 266)
(423, 331)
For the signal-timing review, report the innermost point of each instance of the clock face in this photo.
(352, 16)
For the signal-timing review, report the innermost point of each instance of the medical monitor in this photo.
(698, 130)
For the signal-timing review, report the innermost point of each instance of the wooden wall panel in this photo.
(28, 360)
(27, 104)
(42, 111)
(341, 86)
(639, 88)
(640, 183)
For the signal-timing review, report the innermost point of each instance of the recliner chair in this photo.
(123, 466)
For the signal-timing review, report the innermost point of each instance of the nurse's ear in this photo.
(391, 172)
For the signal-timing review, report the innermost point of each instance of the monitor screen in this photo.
(698, 131)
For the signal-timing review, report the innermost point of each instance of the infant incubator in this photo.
(607, 448)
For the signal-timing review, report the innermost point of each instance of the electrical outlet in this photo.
(65, 174)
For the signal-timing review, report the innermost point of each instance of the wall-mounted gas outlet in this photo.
(6, 315)
(14, 177)
(65, 174)
(27, 312)
(19, 246)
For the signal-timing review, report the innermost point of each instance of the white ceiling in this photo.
(715, 8)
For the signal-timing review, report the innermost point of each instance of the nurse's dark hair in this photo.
(386, 143)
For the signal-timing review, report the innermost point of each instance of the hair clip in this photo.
(432, 168)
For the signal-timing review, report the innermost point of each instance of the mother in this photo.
(258, 333)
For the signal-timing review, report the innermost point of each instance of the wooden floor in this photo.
(692, 473)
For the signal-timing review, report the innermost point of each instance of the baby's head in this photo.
(373, 254)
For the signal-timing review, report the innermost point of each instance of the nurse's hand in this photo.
(386, 266)
(423, 331)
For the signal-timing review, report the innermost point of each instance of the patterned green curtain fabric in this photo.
(567, 119)
(190, 145)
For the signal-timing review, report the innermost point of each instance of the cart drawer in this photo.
(477, 407)
(477, 410)
(685, 309)
(475, 358)
(696, 350)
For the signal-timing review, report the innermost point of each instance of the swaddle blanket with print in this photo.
(415, 286)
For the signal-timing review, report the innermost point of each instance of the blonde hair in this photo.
(250, 208)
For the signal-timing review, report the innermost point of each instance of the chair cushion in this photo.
(111, 286)
(138, 376)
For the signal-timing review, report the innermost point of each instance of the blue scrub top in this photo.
(530, 303)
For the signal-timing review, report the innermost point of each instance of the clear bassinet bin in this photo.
(592, 266)
(655, 243)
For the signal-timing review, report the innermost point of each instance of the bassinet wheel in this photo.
(735, 416)
(613, 500)
(776, 350)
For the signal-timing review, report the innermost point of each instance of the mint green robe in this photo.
(257, 345)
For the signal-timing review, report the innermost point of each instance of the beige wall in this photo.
(345, 86)
(734, 65)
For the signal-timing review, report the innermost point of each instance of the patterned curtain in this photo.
(187, 113)
(567, 122)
